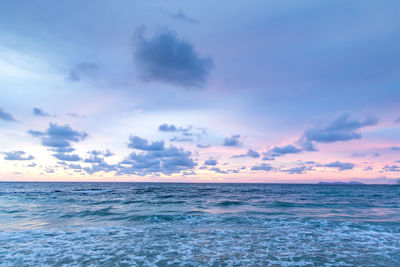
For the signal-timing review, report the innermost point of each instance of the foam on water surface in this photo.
(198, 225)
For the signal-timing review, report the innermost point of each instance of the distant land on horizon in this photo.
(210, 182)
(344, 183)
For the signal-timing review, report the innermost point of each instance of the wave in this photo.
(161, 217)
(90, 213)
(228, 203)
(280, 243)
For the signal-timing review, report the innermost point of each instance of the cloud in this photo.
(96, 160)
(97, 156)
(368, 168)
(358, 154)
(250, 153)
(67, 157)
(179, 15)
(49, 170)
(262, 167)
(267, 157)
(106, 153)
(142, 144)
(62, 149)
(75, 115)
(211, 162)
(283, 150)
(253, 154)
(232, 141)
(5, 116)
(188, 173)
(340, 165)
(186, 134)
(81, 70)
(155, 159)
(186, 131)
(392, 168)
(167, 128)
(395, 148)
(342, 129)
(203, 146)
(364, 154)
(181, 139)
(218, 170)
(71, 166)
(17, 155)
(39, 112)
(279, 151)
(296, 170)
(397, 120)
(100, 167)
(58, 136)
(167, 58)
(306, 145)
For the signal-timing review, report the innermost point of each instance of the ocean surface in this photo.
(166, 224)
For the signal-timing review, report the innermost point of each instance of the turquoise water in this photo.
(154, 224)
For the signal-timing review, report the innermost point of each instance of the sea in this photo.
(198, 224)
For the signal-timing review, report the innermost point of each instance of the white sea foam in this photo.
(198, 225)
(283, 243)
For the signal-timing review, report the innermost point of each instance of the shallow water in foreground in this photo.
(154, 224)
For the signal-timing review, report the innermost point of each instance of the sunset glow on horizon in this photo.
(174, 92)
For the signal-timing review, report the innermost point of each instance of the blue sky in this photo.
(260, 91)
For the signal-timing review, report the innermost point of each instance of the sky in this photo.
(205, 91)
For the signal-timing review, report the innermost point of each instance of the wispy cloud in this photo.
(17, 155)
(179, 15)
(81, 70)
(340, 165)
(341, 129)
(39, 112)
(262, 167)
(6, 116)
